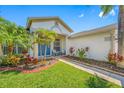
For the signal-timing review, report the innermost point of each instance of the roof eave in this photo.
(94, 31)
(31, 19)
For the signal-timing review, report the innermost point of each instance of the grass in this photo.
(60, 75)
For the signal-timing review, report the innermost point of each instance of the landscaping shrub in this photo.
(114, 58)
(35, 61)
(4, 61)
(14, 60)
(81, 53)
(29, 60)
(9, 60)
(96, 82)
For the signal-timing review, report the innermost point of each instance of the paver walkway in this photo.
(117, 79)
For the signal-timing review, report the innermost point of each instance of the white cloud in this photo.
(100, 14)
(81, 15)
(112, 12)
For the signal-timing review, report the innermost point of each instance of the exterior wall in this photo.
(98, 46)
(50, 25)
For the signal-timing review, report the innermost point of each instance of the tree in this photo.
(13, 34)
(24, 38)
(106, 9)
(2, 32)
(45, 37)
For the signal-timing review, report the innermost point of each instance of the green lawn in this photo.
(59, 76)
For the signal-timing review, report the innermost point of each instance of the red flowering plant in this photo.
(114, 58)
(30, 60)
(71, 50)
(27, 59)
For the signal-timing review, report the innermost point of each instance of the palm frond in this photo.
(106, 9)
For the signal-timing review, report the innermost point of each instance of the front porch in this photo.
(56, 48)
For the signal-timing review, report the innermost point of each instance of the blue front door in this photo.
(41, 50)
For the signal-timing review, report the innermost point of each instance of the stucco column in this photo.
(35, 50)
(66, 45)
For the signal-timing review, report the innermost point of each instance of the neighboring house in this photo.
(100, 41)
(51, 23)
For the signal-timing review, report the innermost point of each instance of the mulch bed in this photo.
(98, 64)
(39, 68)
(23, 70)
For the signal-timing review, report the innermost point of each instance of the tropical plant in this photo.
(27, 59)
(12, 35)
(14, 60)
(106, 9)
(45, 37)
(15, 35)
(6, 60)
(96, 82)
(81, 53)
(114, 58)
(24, 38)
(2, 32)
(35, 61)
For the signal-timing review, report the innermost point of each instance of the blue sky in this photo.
(79, 18)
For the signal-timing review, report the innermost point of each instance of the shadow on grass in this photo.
(9, 72)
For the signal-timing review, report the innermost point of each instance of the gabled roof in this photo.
(107, 28)
(43, 19)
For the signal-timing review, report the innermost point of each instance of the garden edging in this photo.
(102, 68)
(26, 70)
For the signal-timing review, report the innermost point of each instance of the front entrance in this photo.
(57, 45)
(41, 50)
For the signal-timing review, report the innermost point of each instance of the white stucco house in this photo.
(100, 41)
(51, 23)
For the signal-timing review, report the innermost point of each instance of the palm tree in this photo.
(15, 35)
(2, 32)
(23, 38)
(12, 34)
(106, 9)
(45, 37)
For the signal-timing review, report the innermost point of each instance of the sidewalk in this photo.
(117, 79)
